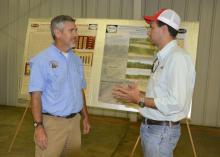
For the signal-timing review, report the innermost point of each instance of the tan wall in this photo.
(13, 23)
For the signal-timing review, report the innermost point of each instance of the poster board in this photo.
(120, 53)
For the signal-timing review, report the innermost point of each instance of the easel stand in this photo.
(190, 136)
(18, 128)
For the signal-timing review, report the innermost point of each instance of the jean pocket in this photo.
(154, 132)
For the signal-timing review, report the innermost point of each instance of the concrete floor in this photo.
(110, 137)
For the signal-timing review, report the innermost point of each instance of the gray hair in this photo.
(58, 22)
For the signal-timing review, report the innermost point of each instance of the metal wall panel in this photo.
(202, 63)
(151, 6)
(165, 4)
(127, 9)
(180, 6)
(3, 50)
(12, 53)
(115, 9)
(213, 81)
(102, 8)
(216, 49)
(193, 10)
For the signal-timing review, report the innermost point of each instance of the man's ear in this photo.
(165, 28)
(57, 33)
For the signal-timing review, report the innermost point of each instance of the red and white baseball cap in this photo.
(167, 16)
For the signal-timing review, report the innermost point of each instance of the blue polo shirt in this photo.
(60, 79)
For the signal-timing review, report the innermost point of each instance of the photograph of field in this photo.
(142, 47)
(140, 58)
(138, 68)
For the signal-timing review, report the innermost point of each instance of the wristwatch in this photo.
(141, 102)
(36, 124)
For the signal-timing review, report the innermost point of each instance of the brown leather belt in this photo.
(67, 117)
(156, 122)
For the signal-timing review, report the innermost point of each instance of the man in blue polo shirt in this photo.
(57, 93)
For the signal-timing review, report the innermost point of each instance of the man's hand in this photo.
(85, 115)
(40, 137)
(128, 93)
(86, 126)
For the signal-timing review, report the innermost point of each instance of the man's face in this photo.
(68, 35)
(155, 32)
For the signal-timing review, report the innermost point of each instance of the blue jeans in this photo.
(159, 141)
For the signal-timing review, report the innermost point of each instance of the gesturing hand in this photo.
(128, 93)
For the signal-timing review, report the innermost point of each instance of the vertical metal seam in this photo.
(108, 8)
(209, 59)
(96, 8)
(199, 11)
(186, 10)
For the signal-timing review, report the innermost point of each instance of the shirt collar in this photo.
(166, 50)
(58, 50)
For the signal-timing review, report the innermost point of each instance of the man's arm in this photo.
(36, 107)
(131, 94)
(85, 115)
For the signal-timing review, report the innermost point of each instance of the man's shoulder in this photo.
(41, 56)
(180, 56)
(179, 52)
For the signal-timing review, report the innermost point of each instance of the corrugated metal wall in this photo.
(13, 23)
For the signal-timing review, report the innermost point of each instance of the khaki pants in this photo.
(64, 137)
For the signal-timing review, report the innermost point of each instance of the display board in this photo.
(113, 52)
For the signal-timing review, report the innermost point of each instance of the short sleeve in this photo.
(37, 77)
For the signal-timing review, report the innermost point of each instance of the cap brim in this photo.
(149, 19)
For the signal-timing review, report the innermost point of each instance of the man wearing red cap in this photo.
(169, 92)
